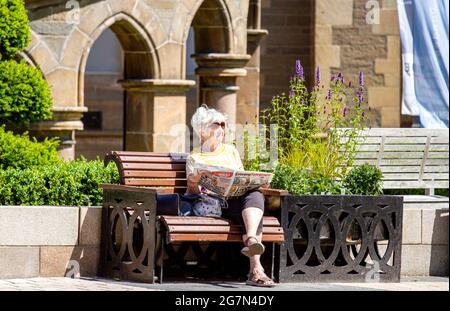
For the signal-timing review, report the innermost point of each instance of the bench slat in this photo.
(155, 182)
(218, 229)
(155, 174)
(149, 159)
(154, 166)
(180, 237)
(152, 154)
(411, 184)
(436, 169)
(197, 220)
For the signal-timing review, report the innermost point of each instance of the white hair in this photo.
(204, 117)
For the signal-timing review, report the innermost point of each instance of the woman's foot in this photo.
(259, 278)
(252, 247)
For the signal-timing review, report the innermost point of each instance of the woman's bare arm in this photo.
(192, 184)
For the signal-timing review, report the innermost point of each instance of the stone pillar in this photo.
(249, 94)
(65, 121)
(217, 74)
(152, 109)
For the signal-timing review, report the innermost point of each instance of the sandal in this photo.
(259, 279)
(253, 249)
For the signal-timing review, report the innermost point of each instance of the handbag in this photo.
(209, 205)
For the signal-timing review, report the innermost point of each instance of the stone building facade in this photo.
(142, 66)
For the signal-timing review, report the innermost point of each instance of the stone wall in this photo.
(291, 37)
(345, 42)
(49, 241)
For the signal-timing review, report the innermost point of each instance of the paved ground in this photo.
(98, 284)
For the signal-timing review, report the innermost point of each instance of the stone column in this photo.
(154, 108)
(65, 121)
(249, 95)
(217, 74)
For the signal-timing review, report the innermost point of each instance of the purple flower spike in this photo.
(361, 79)
(332, 78)
(345, 111)
(291, 93)
(318, 76)
(306, 90)
(363, 114)
(299, 70)
(329, 94)
(350, 84)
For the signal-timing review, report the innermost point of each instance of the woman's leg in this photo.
(253, 221)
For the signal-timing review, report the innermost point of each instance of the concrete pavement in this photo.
(99, 284)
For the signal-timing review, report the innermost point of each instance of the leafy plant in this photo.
(365, 179)
(19, 151)
(301, 181)
(317, 132)
(73, 183)
(24, 94)
(14, 29)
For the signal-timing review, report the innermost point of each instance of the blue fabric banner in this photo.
(424, 32)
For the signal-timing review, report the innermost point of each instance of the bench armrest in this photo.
(274, 192)
(126, 188)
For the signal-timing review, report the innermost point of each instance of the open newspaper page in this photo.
(227, 182)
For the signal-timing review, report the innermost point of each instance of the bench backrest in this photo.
(408, 157)
(166, 171)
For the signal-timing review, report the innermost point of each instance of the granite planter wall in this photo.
(49, 241)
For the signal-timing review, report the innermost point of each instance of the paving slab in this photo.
(100, 284)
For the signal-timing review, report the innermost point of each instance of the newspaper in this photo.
(227, 182)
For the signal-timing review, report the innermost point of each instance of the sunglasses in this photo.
(222, 124)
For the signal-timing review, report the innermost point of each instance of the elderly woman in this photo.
(248, 209)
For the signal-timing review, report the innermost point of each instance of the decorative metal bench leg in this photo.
(273, 261)
(162, 260)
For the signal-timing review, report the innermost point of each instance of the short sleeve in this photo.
(189, 165)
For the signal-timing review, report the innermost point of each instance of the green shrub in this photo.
(14, 29)
(365, 179)
(73, 183)
(19, 151)
(300, 181)
(24, 94)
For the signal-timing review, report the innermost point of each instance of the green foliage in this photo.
(24, 94)
(73, 183)
(317, 132)
(14, 29)
(300, 181)
(365, 179)
(19, 151)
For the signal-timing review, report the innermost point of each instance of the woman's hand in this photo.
(192, 184)
(194, 178)
(266, 185)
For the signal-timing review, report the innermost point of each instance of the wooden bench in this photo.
(410, 158)
(130, 221)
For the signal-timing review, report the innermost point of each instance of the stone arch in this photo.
(222, 15)
(39, 55)
(141, 60)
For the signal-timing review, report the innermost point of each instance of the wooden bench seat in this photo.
(143, 175)
(211, 229)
